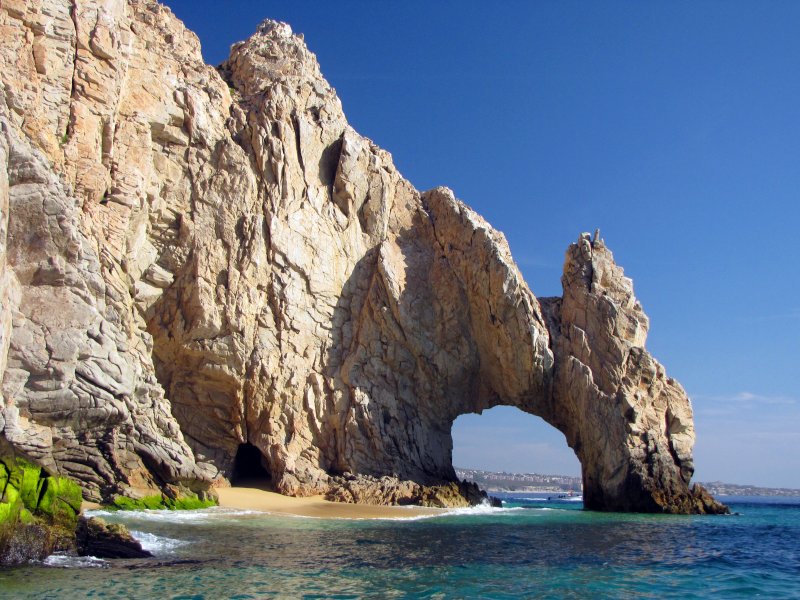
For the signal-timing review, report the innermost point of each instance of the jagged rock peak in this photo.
(204, 271)
(270, 58)
(276, 28)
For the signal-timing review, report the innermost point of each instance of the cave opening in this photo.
(248, 466)
(526, 450)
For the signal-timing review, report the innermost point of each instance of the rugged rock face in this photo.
(192, 259)
(607, 387)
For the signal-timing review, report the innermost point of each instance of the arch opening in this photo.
(507, 449)
(249, 466)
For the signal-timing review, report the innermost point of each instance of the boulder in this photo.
(97, 538)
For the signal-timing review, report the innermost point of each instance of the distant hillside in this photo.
(534, 482)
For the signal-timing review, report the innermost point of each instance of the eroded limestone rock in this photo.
(192, 259)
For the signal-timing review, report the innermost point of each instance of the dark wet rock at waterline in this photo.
(97, 538)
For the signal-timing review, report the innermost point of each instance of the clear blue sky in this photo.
(672, 126)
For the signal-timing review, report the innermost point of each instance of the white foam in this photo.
(157, 544)
(65, 561)
(174, 516)
(484, 508)
(209, 514)
(481, 509)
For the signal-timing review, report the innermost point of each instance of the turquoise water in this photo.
(528, 549)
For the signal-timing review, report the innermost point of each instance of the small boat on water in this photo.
(568, 497)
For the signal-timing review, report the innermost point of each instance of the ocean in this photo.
(532, 547)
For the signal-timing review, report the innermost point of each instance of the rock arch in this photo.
(458, 311)
(225, 260)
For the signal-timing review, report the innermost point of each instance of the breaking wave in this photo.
(157, 544)
(65, 561)
(175, 516)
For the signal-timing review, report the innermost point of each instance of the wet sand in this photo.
(254, 498)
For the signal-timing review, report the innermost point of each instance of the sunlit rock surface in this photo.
(192, 259)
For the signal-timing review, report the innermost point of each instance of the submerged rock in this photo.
(192, 260)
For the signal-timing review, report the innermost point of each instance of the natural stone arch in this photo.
(261, 273)
(578, 362)
(447, 297)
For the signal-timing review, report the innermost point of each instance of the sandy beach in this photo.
(252, 498)
(257, 498)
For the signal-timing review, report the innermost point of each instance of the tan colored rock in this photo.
(630, 425)
(191, 260)
(76, 398)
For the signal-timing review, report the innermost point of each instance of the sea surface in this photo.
(531, 548)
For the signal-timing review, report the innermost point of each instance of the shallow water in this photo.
(530, 548)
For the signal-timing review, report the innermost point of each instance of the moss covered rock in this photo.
(11, 496)
(28, 480)
(3, 478)
(60, 500)
(38, 512)
(24, 485)
(187, 501)
(8, 512)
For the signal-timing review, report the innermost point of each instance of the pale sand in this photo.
(251, 498)
(260, 499)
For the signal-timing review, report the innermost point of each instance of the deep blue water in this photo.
(529, 549)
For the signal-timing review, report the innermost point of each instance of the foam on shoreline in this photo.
(246, 501)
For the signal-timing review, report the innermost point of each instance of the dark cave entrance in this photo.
(248, 466)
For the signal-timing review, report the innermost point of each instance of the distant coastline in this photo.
(493, 481)
(717, 488)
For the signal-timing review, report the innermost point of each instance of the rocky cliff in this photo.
(193, 259)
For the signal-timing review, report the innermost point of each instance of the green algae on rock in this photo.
(38, 512)
(188, 501)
